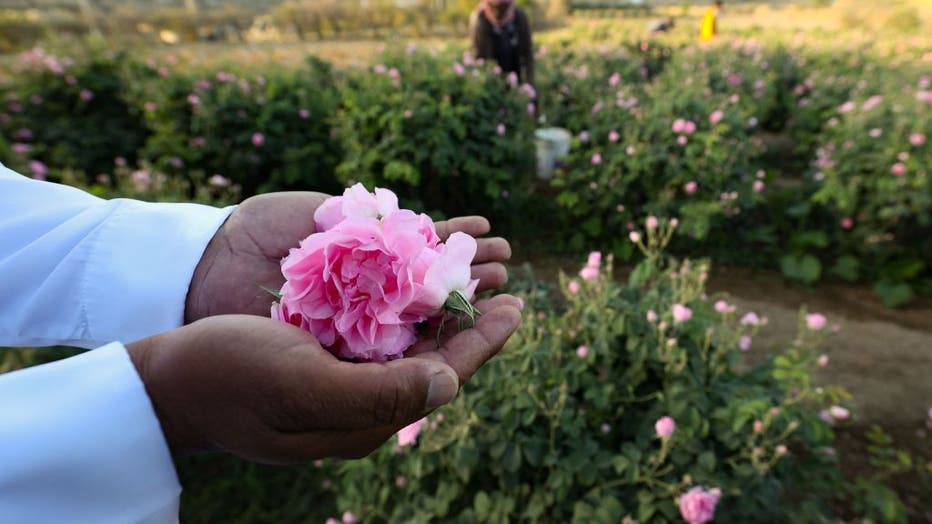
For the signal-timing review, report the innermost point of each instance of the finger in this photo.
(491, 250)
(474, 226)
(346, 395)
(491, 275)
(469, 349)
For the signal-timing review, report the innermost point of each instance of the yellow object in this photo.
(708, 29)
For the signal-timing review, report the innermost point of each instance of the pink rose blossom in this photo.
(596, 159)
(822, 361)
(20, 148)
(370, 273)
(697, 506)
(815, 321)
(218, 181)
(459, 69)
(682, 140)
(689, 127)
(582, 351)
(595, 259)
(652, 222)
(589, 273)
(758, 186)
(723, 307)
(613, 136)
(584, 136)
(408, 434)
(716, 117)
(151, 106)
(751, 319)
(652, 316)
(664, 427)
(774, 412)
(634, 236)
(350, 518)
(691, 187)
(681, 313)
(38, 170)
(898, 169)
(605, 428)
(304, 114)
(780, 450)
(847, 223)
(758, 426)
(500, 130)
(744, 343)
(257, 139)
(614, 79)
(573, 287)
(839, 413)
(332, 521)
(847, 107)
(86, 95)
(917, 139)
(872, 102)
(679, 126)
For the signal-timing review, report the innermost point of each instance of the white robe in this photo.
(79, 439)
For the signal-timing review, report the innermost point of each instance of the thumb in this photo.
(393, 393)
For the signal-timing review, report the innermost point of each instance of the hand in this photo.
(268, 392)
(246, 252)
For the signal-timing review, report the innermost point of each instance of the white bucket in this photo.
(552, 143)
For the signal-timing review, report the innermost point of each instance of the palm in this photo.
(243, 259)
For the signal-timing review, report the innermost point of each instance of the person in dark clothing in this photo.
(500, 30)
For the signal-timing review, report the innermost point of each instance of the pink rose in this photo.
(459, 69)
(652, 222)
(38, 170)
(679, 126)
(573, 287)
(595, 259)
(500, 130)
(723, 307)
(582, 351)
(596, 159)
(257, 139)
(652, 316)
(350, 518)
(758, 426)
(682, 140)
(691, 187)
(917, 139)
(86, 95)
(847, 223)
(716, 117)
(613, 136)
(304, 114)
(664, 427)
(697, 506)
(634, 236)
(815, 321)
(750, 318)
(780, 450)
(744, 343)
(839, 413)
(589, 273)
(689, 127)
(898, 169)
(681, 313)
(408, 434)
(822, 361)
(758, 186)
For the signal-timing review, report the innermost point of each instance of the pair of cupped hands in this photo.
(234, 380)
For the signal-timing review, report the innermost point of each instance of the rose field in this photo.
(728, 278)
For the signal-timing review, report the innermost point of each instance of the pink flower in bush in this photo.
(595, 259)
(898, 169)
(847, 107)
(219, 181)
(780, 450)
(652, 316)
(38, 170)
(744, 343)
(584, 136)
(839, 413)
(605, 429)
(582, 351)
(758, 186)
(573, 287)
(86, 95)
(758, 426)
(614, 79)
(500, 130)
(689, 127)
(716, 117)
(652, 222)
(304, 114)
(682, 140)
(815, 321)
(697, 506)
(408, 434)
(596, 159)
(20, 149)
(634, 236)
(142, 179)
(589, 273)
(822, 361)
(613, 136)
(723, 307)
(691, 187)
(370, 273)
(681, 313)
(750, 318)
(257, 139)
(24, 134)
(151, 106)
(194, 100)
(679, 126)
(332, 521)
(847, 223)
(459, 69)
(664, 427)
(917, 139)
(872, 102)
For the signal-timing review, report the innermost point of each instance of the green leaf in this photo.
(482, 504)
(847, 267)
(805, 268)
(893, 294)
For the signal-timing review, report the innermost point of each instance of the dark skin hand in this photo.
(267, 391)
(246, 252)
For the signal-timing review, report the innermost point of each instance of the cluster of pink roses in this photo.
(370, 273)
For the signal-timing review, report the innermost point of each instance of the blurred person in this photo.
(201, 366)
(709, 28)
(661, 26)
(500, 30)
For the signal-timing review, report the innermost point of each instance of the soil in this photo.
(882, 356)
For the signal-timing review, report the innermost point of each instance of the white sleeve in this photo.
(82, 271)
(80, 443)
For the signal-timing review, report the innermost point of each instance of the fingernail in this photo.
(442, 389)
(520, 303)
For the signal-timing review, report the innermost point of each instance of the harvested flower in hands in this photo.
(372, 272)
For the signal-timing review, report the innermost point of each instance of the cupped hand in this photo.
(268, 392)
(244, 255)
